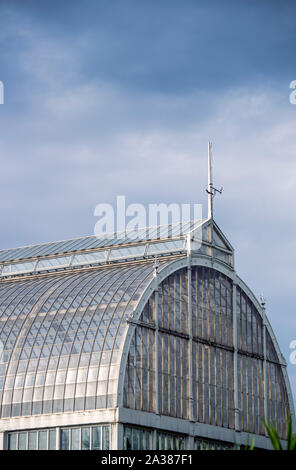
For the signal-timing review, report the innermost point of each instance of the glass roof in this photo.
(94, 258)
(151, 242)
(61, 335)
(92, 242)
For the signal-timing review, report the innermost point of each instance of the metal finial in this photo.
(211, 190)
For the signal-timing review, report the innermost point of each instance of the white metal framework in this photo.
(163, 354)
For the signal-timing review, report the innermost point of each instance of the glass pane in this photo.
(135, 439)
(53, 262)
(170, 445)
(52, 439)
(6, 269)
(96, 438)
(163, 440)
(33, 440)
(159, 447)
(131, 252)
(12, 441)
(88, 258)
(22, 441)
(64, 439)
(42, 442)
(22, 267)
(127, 438)
(106, 437)
(166, 247)
(75, 439)
(85, 439)
(148, 444)
(142, 440)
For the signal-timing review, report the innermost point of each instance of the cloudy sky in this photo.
(110, 97)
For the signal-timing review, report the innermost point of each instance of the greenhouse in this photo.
(148, 340)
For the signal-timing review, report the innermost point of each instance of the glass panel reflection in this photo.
(212, 365)
(96, 438)
(85, 438)
(135, 438)
(22, 440)
(78, 322)
(88, 258)
(32, 440)
(74, 438)
(53, 262)
(166, 247)
(65, 439)
(127, 252)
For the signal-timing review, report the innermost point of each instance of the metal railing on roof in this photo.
(176, 239)
(139, 235)
(95, 257)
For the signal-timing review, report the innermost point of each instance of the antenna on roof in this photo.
(211, 190)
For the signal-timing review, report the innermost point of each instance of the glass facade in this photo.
(210, 444)
(71, 438)
(210, 338)
(136, 438)
(85, 438)
(94, 258)
(169, 441)
(93, 242)
(251, 373)
(39, 439)
(175, 338)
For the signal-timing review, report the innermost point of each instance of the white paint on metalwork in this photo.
(210, 182)
(235, 368)
(197, 260)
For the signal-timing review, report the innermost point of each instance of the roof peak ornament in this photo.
(211, 190)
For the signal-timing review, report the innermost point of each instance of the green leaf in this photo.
(273, 435)
(250, 446)
(289, 434)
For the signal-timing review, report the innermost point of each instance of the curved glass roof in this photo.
(60, 338)
(161, 241)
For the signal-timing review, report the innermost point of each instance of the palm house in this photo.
(145, 341)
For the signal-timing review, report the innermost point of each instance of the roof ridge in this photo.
(70, 245)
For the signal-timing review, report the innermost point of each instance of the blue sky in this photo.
(120, 97)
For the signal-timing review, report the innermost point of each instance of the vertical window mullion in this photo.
(215, 385)
(175, 306)
(226, 314)
(135, 370)
(169, 375)
(148, 371)
(142, 391)
(214, 303)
